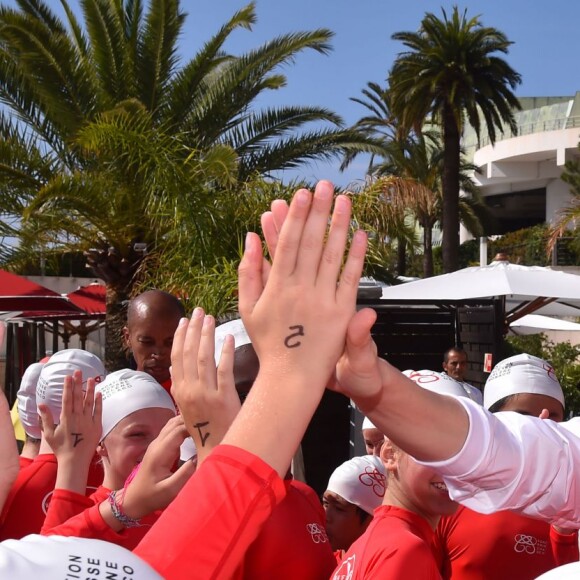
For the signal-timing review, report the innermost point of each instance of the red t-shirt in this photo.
(504, 545)
(397, 544)
(24, 461)
(206, 530)
(293, 542)
(27, 502)
(71, 514)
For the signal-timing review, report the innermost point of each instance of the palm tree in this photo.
(450, 73)
(569, 216)
(103, 128)
(419, 160)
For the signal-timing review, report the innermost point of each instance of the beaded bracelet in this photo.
(119, 514)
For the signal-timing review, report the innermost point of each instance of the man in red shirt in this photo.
(152, 318)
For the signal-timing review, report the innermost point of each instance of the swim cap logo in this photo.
(374, 479)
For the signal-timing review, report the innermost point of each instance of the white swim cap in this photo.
(235, 328)
(187, 449)
(438, 383)
(127, 391)
(367, 424)
(361, 481)
(57, 557)
(60, 365)
(27, 409)
(522, 373)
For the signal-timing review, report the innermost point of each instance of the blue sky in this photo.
(545, 49)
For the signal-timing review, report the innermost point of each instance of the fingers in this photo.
(250, 280)
(206, 356)
(177, 351)
(225, 370)
(191, 346)
(67, 398)
(89, 397)
(46, 421)
(333, 253)
(291, 233)
(545, 414)
(352, 271)
(312, 240)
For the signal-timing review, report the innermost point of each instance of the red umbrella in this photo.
(19, 294)
(90, 298)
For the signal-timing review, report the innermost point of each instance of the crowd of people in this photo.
(187, 466)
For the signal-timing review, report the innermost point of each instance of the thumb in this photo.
(545, 414)
(358, 333)
(250, 281)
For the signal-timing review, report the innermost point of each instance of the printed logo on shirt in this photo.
(346, 570)
(45, 504)
(529, 545)
(318, 533)
(374, 479)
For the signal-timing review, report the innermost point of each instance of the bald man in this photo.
(152, 318)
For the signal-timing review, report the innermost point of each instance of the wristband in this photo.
(119, 514)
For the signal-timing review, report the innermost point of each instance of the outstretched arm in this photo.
(297, 321)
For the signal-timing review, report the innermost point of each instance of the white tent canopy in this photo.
(526, 289)
(534, 323)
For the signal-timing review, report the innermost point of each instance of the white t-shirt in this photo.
(516, 462)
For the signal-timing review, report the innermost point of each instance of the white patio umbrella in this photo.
(526, 289)
(534, 323)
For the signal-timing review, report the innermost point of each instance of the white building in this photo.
(520, 176)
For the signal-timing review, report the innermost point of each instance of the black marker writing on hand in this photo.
(290, 341)
(202, 436)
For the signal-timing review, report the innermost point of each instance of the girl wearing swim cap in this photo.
(135, 411)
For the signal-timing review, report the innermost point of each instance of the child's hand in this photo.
(155, 485)
(297, 313)
(78, 433)
(358, 373)
(74, 440)
(206, 396)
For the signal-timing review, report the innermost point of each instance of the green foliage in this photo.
(564, 357)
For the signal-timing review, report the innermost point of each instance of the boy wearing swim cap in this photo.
(354, 490)
(135, 410)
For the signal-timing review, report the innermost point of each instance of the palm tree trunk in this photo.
(401, 256)
(450, 186)
(427, 251)
(116, 297)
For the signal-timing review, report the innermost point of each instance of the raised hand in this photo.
(309, 298)
(155, 485)
(296, 314)
(206, 396)
(75, 439)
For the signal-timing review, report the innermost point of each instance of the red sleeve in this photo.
(25, 508)
(24, 461)
(564, 547)
(64, 505)
(215, 517)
